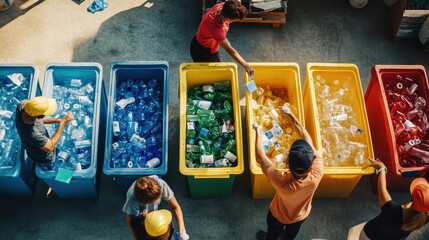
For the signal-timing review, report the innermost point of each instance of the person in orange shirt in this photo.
(295, 189)
(212, 33)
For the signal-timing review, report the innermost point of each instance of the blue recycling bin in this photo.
(136, 73)
(84, 183)
(17, 177)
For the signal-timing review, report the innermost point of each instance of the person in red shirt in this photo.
(212, 33)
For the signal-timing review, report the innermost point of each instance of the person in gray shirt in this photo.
(30, 124)
(144, 196)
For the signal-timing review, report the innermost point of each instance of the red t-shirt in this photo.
(211, 32)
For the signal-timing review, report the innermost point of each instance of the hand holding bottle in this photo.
(67, 118)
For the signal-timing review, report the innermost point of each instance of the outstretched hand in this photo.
(377, 164)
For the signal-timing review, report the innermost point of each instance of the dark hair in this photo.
(147, 190)
(233, 9)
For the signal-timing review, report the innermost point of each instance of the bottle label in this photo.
(222, 163)
(124, 102)
(269, 134)
(191, 125)
(64, 155)
(230, 156)
(116, 128)
(208, 88)
(75, 83)
(279, 158)
(277, 130)
(340, 117)
(409, 124)
(192, 118)
(202, 104)
(192, 148)
(207, 159)
(82, 143)
(154, 162)
(274, 114)
(255, 104)
(115, 146)
(89, 88)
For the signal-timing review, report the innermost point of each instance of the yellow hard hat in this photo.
(157, 222)
(38, 106)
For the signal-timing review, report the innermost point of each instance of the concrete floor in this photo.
(42, 32)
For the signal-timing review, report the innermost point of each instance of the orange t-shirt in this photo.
(211, 32)
(292, 201)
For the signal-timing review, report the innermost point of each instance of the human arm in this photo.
(51, 143)
(383, 194)
(261, 157)
(129, 219)
(177, 210)
(226, 45)
(301, 130)
(51, 120)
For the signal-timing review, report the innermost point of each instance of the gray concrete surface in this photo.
(42, 32)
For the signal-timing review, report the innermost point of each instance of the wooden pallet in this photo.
(406, 23)
(275, 17)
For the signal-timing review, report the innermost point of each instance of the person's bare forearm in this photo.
(129, 219)
(265, 163)
(51, 120)
(301, 130)
(179, 218)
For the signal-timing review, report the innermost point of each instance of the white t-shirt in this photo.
(133, 207)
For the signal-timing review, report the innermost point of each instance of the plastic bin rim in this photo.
(210, 173)
(163, 168)
(137, 63)
(91, 171)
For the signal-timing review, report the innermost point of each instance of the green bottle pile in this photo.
(210, 140)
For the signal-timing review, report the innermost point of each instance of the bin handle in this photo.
(211, 176)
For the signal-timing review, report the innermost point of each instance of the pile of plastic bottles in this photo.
(210, 126)
(343, 139)
(278, 132)
(74, 147)
(14, 88)
(137, 124)
(409, 120)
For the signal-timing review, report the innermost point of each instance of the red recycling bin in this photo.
(381, 124)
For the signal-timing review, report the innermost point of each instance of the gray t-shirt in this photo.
(133, 207)
(33, 137)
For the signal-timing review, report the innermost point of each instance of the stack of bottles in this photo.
(343, 141)
(409, 120)
(210, 140)
(14, 88)
(74, 147)
(278, 132)
(137, 125)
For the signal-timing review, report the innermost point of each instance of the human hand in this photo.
(377, 164)
(286, 110)
(184, 235)
(249, 70)
(67, 118)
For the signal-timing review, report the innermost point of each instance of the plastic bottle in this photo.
(138, 141)
(124, 102)
(82, 143)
